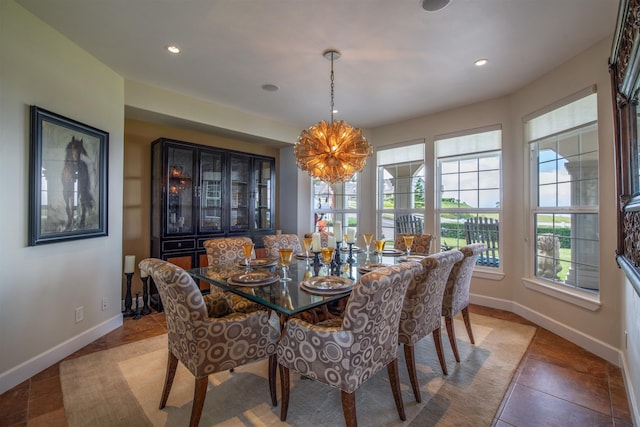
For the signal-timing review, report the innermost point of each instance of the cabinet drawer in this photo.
(179, 245)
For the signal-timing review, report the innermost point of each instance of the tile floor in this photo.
(556, 384)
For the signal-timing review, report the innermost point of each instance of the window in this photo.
(335, 202)
(400, 190)
(469, 179)
(563, 145)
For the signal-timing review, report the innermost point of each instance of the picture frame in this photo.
(68, 179)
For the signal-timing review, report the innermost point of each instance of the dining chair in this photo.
(422, 310)
(456, 293)
(421, 243)
(226, 252)
(273, 242)
(203, 344)
(345, 352)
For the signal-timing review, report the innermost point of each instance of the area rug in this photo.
(122, 387)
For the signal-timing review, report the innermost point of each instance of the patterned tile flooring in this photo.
(556, 384)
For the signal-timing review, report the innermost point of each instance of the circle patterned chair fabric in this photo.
(456, 293)
(345, 352)
(274, 242)
(207, 345)
(422, 310)
(421, 243)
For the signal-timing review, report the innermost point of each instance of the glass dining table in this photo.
(310, 286)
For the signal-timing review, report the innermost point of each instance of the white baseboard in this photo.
(595, 346)
(29, 368)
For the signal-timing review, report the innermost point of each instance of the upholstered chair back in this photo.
(225, 250)
(421, 243)
(456, 293)
(272, 243)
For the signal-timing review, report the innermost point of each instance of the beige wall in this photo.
(41, 286)
(138, 136)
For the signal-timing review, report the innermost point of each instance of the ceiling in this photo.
(398, 60)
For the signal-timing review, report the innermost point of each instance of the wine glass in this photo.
(380, 248)
(408, 242)
(327, 257)
(308, 243)
(367, 242)
(247, 251)
(285, 260)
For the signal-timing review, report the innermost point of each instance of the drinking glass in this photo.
(327, 257)
(308, 243)
(285, 260)
(368, 237)
(408, 242)
(379, 248)
(247, 251)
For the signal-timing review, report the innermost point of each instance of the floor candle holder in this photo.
(127, 299)
(137, 310)
(145, 297)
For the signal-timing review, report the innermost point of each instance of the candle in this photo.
(331, 241)
(129, 263)
(315, 242)
(337, 230)
(143, 274)
(351, 235)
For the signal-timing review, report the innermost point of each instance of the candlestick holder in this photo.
(337, 259)
(127, 299)
(137, 310)
(316, 263)
(350, 260)
(145, 297)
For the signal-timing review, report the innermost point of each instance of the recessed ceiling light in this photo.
(269, 87)
(173, 49)
(481, 62)
(434, 5)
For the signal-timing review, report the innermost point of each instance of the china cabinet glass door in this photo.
(239, 211)
(179, 190)
(211, 187)
(262, 197)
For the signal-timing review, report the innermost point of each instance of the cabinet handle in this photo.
(179, 245)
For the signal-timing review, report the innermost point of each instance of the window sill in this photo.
(573, 296)
(486, 273)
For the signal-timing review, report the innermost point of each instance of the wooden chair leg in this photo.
(172, 365)
(273, 363)
(410, 360)
(349, 408)
(467, 324)
(452, 337)
(284, 386)
(394, 380)
(437, 339)
(199, 394)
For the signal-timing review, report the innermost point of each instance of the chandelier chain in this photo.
(332, 87)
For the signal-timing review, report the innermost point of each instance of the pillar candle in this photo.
(315, 242)
(129, 263)
(337, 230)
(351, 235)
(331, 241)
(143, 274)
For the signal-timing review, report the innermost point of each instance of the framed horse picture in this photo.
(68, 179)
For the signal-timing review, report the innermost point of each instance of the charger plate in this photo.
(259, 262)
(392, 252)
(366, 268)
(253, 278)
(355, 249)
(327, 285)
(415, 258)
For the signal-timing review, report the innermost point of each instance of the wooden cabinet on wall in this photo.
(199, 193)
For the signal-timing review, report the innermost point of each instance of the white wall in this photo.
(41, 286)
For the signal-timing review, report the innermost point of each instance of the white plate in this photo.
(327, 285)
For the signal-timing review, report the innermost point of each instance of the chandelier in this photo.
(332, 152)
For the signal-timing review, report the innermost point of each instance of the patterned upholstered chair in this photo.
(421, 243)
(225, 252)
(277, 241)
(345, 352)
(206, 345)
(456, 293)
(422, 310)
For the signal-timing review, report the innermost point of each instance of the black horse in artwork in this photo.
(75, 171)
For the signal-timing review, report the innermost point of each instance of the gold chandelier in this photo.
(332, 152)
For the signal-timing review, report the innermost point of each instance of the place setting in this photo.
(253, 278)
(327, 285)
